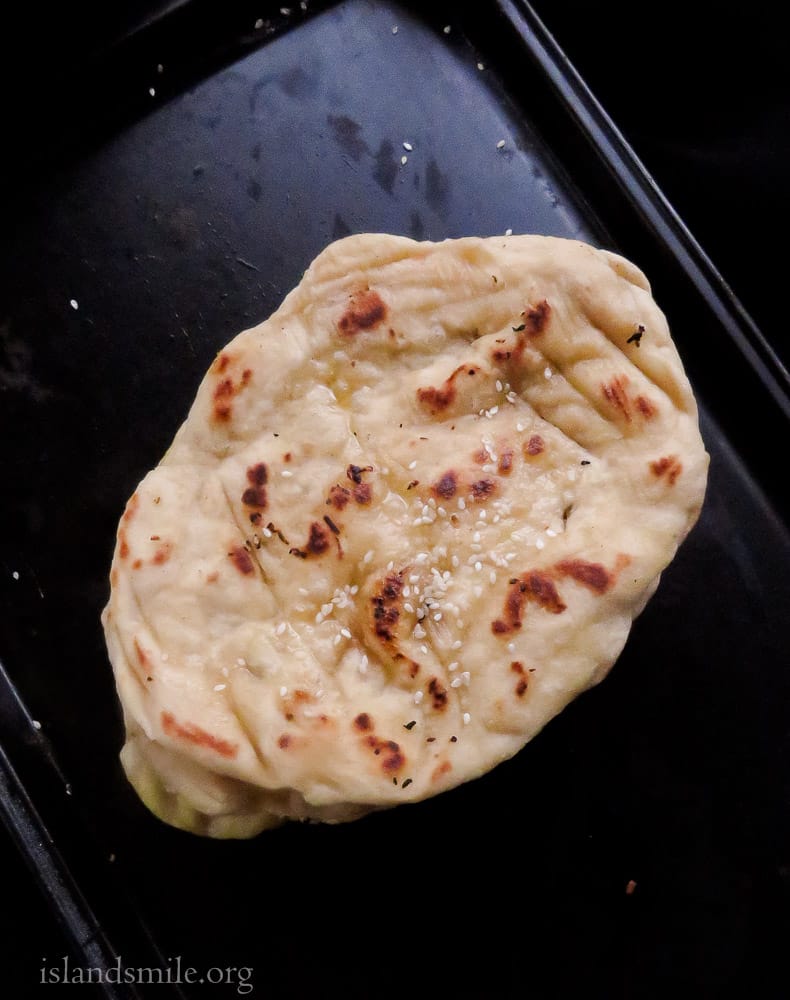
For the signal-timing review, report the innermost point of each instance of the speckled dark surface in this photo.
(168, 234)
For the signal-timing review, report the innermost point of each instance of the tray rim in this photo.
(27, 826)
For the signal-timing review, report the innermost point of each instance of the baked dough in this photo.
(407, 519)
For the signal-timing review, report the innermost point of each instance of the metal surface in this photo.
(131, 262)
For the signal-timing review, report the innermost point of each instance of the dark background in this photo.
(704, 100)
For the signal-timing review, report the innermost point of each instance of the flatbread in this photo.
(407, 519)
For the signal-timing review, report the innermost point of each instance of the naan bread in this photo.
(408, 519)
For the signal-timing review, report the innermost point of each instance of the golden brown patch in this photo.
(131, 507)
(440, 770)
(536, 587)
(365, 312)
(615, 392)
(318, 541)
(363, 494)
(646, 407)
(221, 363)
(505, 466)
(392, 757)
(594, 576)
(338, 497)
(483, 489)
(162, 554)
(438, 694)
(386, 606)
(142, 656)
(536, 318)
(223, 394)
(668, 467)
(437, 400)
(446, 486)
(194, 734)
(535, 446)
(242, 560)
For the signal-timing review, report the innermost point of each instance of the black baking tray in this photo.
(176, 190)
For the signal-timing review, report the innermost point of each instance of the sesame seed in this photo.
(404, 160)
(478, 566)
(453, 666)
(160, 68)
(240, 662)
(267, 533)
(283, 691)
(467, 718)
(492, 576)
(551, 532)
(36, 724)
(539, 543)
(408, 147)
(418, 632)
(447, 29)
(220, 687)
(500, 144)
(345, 633)
(15, 574)
(438, 616)
(259, 24)
(418, 696)
(413, 465)
(280, 628)
(466, 677)
(498, 386)
(461, 503)
(481, 66)
(394, 29)
(225, 672)
(286, 473)
(511, 647)
(519, 427)
(508, 232)
(456, 682)
(547, 372)
(152, 91)
(368, 557)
